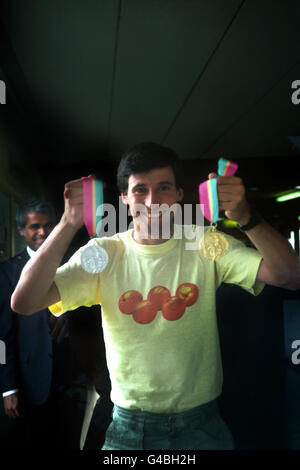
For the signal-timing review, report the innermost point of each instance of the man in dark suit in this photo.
(26, 378)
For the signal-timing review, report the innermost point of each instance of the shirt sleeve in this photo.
(76, 286)
(240, 266)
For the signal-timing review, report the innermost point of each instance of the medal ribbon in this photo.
(208, 191)
(226, 167)
(92, 199)
(209, 200)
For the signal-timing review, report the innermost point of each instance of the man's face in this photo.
(37, 228)
(148, 190)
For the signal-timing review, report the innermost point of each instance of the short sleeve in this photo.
(76, 286)
(240, 266)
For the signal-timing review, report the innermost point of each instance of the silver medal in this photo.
(94, 259)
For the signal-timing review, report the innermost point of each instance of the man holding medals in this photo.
(158, 300)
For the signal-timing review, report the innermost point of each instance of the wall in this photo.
(18, 181)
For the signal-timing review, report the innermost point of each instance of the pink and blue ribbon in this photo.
(92, 199)
(208, 190)
(209, 200)
(226, 167)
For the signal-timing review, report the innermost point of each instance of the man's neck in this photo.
(138, 238)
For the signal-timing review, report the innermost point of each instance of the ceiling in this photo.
(209, 78)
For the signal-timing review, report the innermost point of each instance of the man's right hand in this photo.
(12, 406)
(73, 195)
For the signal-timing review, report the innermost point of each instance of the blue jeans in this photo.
(200, 428)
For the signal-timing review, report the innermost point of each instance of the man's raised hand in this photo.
(231, 195)
(73, 196)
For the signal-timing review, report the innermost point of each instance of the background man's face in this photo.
(37, 228)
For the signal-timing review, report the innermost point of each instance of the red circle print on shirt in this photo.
(129, 301)
(188, 293)
(158, 296)
(145, 312)
(173, 309)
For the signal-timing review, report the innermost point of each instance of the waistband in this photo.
(201, 411)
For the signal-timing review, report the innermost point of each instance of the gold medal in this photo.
(213, 245)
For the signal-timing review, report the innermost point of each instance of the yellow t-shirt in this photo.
(159, 317)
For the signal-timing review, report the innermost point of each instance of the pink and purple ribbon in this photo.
(92, 199)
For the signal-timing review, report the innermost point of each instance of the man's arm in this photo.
(280, 265)
(36, 288)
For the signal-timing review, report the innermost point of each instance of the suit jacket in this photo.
(27, 339)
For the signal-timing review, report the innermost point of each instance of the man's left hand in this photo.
(231, 195)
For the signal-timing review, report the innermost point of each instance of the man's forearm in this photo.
(32, 291)
(281, 260)
(280, 265)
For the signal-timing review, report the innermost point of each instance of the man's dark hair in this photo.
(144, 157)
(34, 205)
